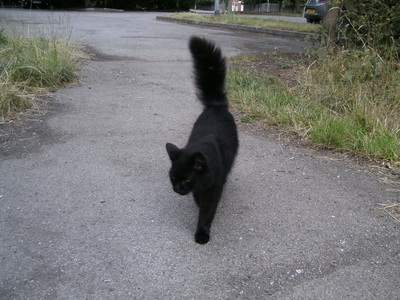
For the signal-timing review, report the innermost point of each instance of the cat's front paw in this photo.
(202, 238)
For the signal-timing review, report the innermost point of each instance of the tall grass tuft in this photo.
(34, 65)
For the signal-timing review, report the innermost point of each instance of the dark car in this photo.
(315, 10)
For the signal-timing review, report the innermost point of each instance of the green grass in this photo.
(34, 65)
(251, 21)
(348, 102)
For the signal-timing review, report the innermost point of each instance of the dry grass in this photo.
(393, 210)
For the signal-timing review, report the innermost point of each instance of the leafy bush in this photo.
(374, 23)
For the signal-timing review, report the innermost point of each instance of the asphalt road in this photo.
(87, 210)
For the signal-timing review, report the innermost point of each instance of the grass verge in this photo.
(251, 21)
(348, 102)
(34, 65)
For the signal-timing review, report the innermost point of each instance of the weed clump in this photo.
(33, 65)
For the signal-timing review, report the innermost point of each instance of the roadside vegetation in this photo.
(347, 103)
(30, 66)
(249, 21)
(347, 99)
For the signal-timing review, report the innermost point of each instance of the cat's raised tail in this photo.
(209, 71)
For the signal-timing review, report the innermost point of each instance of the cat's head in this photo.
(186, 168)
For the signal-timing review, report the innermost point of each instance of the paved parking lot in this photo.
(87, 211)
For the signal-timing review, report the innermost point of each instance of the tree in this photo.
(295, 3)
(151, 4)
(67, 4)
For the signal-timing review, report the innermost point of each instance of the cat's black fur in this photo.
(202, 166)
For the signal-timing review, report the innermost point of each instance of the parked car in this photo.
(315, 10)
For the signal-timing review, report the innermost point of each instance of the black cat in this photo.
(202, 166)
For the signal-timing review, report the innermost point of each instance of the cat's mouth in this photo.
(180, 191)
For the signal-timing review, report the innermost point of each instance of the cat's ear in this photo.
(173, 151)
(199, 162)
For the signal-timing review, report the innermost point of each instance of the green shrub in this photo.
(373, 23)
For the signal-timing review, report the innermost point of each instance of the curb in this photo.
(278, 32)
